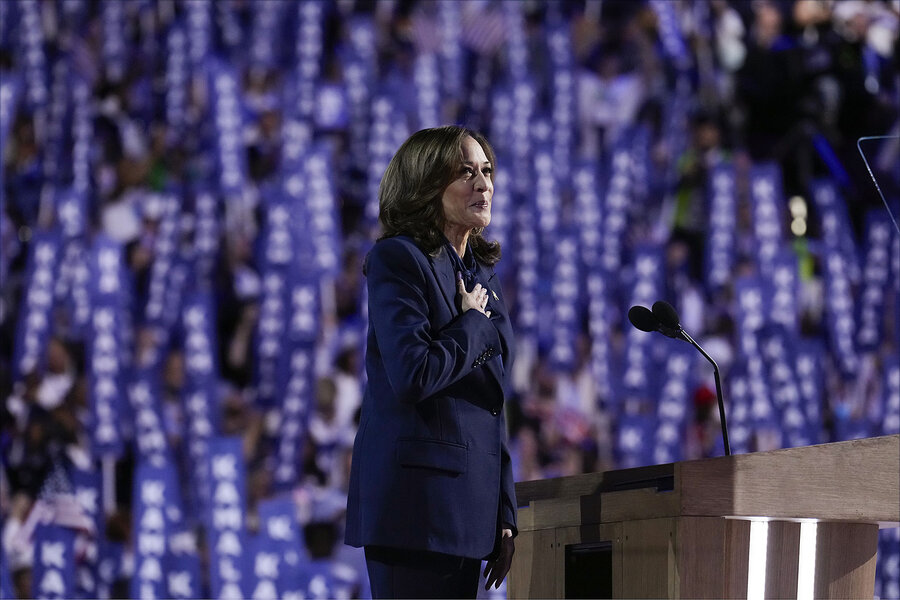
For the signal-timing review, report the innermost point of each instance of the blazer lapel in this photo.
(442, 267)
(486, 277)
(497, 367)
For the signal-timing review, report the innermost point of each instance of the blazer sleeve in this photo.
(508, 502)
(419, 360)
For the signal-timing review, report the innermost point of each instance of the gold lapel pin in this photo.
(495, 295)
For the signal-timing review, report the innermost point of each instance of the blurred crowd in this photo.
(794, 82)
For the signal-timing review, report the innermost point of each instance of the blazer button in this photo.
(495, 412)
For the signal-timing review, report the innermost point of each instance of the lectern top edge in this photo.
(856, 480)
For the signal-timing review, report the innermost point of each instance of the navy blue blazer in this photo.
(431, 469)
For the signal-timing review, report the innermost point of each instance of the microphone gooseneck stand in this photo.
(664, 319)
(719, 396)
(667, 316)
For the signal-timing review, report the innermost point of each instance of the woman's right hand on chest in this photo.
(476, 299)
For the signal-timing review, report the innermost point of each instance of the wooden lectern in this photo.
(683, 530)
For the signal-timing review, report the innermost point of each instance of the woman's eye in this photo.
(470, 172)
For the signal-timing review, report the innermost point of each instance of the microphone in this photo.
(643, 319)
(664, 318)
(665, 314)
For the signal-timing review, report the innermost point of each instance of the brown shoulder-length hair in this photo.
(409, 197)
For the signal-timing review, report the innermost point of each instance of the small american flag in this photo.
(56, 504)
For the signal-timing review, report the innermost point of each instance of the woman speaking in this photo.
(431, 486)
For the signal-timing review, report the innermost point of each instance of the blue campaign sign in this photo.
(73, 287)
(675, 405)
(144, 392)
(566, 297)
(283, 207)
(71, 212)
(547, 200)
(526, 242)
(228, 121)
(181, 563)
(840, 311)
(673, 42)
(322, 228)
(615, 207)
(646, 278)
(751, 305)
(324, 578)
(279, 532)
(834, 221)
(768, 213)
(183, 567)
(331, 111)
(264, 569)
(517, 45)
(199, 34)
(198, 322)
(152, 495)
(270, 333)
(267, 34)
(388, 131)
(501, 214)
(876, 279)
(206, 234)
(599, 329)
(308, 52)
(82, 139)
(105, 347)
(225, 523)
(297, 385)
(31, 48)
(176, 78)
(199, 399)
(785, 290)
(114, 49)
(524, 101)
(165, 251)
(34, 324)
(777, 349)
(737, 407)
(564, 108)
(86, 487)
(588, 200)
(53, 572)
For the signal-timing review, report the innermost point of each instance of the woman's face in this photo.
(467, 200)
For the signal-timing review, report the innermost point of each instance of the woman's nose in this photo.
(481, 182)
